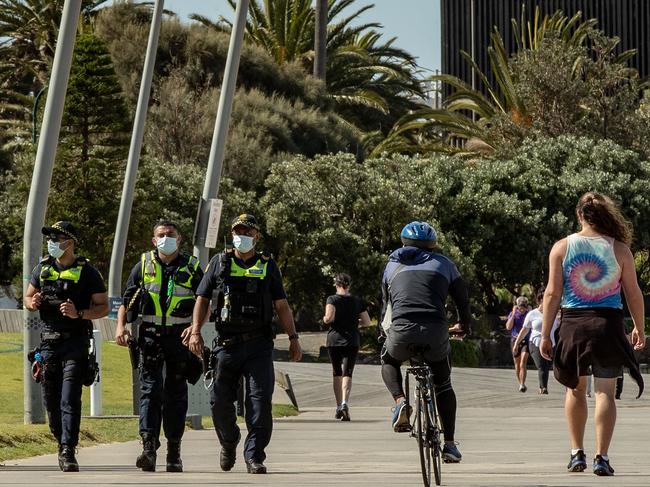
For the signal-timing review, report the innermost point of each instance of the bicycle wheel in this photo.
(436, 450)
(424, 446)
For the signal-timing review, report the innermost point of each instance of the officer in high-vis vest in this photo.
(161, 292)
(68, 292)
(245, 288)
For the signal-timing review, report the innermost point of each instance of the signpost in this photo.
(212, 233)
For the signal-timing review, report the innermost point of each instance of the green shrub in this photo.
(369, 339)
(465, 353)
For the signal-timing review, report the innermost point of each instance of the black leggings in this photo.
(343, 360)
(445, 395)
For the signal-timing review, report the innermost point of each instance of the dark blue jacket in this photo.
(417, 282)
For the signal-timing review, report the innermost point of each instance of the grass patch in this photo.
(18, 440)
(21, 441)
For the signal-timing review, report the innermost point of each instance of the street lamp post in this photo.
(126, 203)
(218, 147)
(128, 189)
(38, 193)
(37, 99)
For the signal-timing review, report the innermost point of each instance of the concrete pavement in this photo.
(507, 439)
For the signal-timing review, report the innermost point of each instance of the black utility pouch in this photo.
(193, 368)
(134, 353)
(91, 374)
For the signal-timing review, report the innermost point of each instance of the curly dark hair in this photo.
(343, 280)
(604, 216)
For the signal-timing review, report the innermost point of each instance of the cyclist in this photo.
(415, 286)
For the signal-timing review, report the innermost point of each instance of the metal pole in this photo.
(472, 17)
(472, 38)
(38, 193)
(35, 113)
(320, 40)
(135, 375)
(218, 147)
(96, 387)
(126, 203)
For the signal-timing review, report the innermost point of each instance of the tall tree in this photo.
(28, 33)
(88, 175)
(371, 82)
(320, 40)
(566, 77)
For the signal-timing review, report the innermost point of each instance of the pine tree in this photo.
(89, 171)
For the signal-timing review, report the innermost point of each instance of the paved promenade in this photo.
(507, 439)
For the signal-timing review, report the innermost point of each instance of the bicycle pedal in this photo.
(449, 460)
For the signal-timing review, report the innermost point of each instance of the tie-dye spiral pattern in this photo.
(592, 276)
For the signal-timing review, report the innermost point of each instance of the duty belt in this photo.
(153, 329)
(54, 336)
(241, 338)
(169, 320)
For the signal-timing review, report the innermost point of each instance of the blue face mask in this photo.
(54, 249)
(167, 245)
(243, 243)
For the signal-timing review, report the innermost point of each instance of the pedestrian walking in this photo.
(343, 314)
(68, 292)
(245, 288)
(520, 354)
(160, 296)
(532, 331)
(587, 271)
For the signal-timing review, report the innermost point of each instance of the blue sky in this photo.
(415, 23)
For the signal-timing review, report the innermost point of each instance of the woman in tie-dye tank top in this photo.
(587, 271)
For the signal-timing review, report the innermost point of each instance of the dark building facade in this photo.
(467, 25)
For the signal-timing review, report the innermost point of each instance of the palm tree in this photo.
(28, 33)
(28, 29)
(469, 113)
(320, 41)
(371, 82)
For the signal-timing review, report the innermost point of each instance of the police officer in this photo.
(245, 287)
(68, 292)
(161, 290)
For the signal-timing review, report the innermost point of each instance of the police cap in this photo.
(245, 220)
(64, 228)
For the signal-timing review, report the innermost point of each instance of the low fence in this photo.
(12, 321)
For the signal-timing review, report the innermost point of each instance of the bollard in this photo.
(96, 388)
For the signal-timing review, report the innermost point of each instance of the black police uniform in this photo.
(65, 341)
(244, 346)
(163, 399)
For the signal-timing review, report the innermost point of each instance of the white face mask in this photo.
(243, 243)
(167, 245)
(54, 249)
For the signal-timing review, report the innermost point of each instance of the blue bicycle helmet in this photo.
(420, 231)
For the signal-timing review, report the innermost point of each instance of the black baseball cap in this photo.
(245, 220)
(64, 228)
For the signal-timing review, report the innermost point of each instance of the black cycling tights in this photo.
(445, 395)
(343, 360)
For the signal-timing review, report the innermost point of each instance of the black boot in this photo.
(60, 456)
(67, 460)
(227, 458)
(147, 459)
(174, 462)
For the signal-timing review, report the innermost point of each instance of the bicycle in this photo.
(426, 426)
